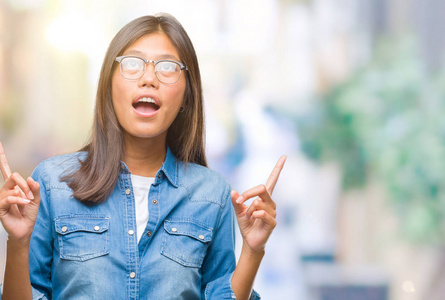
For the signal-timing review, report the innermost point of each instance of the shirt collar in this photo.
(169, 168)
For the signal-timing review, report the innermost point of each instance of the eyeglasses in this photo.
(166, 71)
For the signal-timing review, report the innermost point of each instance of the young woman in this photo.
(136, 214)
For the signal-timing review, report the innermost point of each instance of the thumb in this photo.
(239, 207)
(35, 188)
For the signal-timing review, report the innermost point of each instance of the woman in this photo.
(136, 214)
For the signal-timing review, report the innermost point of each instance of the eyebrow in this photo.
(159, 57)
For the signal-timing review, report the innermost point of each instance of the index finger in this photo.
(273, 178)
(4, 166)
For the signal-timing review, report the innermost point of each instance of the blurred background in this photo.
(351, 90)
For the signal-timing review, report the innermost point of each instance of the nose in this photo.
(149, 78)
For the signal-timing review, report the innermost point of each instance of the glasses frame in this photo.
(154, 62)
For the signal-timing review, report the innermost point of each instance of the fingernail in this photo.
(239, 200)
(30, 195)
(25, 201)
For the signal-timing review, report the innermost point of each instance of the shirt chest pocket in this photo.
(82, 237)
(186, 242)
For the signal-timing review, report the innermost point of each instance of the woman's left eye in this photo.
(166, 67)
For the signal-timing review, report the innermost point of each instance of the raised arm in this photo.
(256, 223)
(19, 205)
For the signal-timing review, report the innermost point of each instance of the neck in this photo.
(144, 157)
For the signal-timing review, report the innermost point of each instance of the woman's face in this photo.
(131, 98)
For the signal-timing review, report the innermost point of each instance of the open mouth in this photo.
(146, 106)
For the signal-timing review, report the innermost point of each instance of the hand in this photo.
(19, 202)
(257, 221)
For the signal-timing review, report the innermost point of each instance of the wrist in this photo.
(18, 244)
(253, 253)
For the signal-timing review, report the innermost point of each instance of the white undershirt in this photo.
(141, 187)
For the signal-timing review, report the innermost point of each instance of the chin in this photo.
(148, 134)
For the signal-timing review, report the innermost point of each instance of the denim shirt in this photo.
(91, 252)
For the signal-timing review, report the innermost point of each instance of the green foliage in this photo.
(388, 121)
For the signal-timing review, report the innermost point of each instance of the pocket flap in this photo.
(69, 224)
(189, 228)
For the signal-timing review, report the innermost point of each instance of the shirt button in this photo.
(174, 229)
(96, 228)
(130, 232)
(64, 229)
(154, 201)
(159, 175)
(149, 233)
(128, 191)
(132, 275)
(201, 237)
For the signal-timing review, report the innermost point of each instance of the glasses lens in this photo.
(168, 71)
(132, 67)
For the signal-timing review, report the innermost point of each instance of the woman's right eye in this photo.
(131, 63)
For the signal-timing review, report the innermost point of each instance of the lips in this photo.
(146, 105)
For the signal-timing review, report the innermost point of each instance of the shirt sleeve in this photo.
(219, 263)
(41, 246)
(37, 295)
